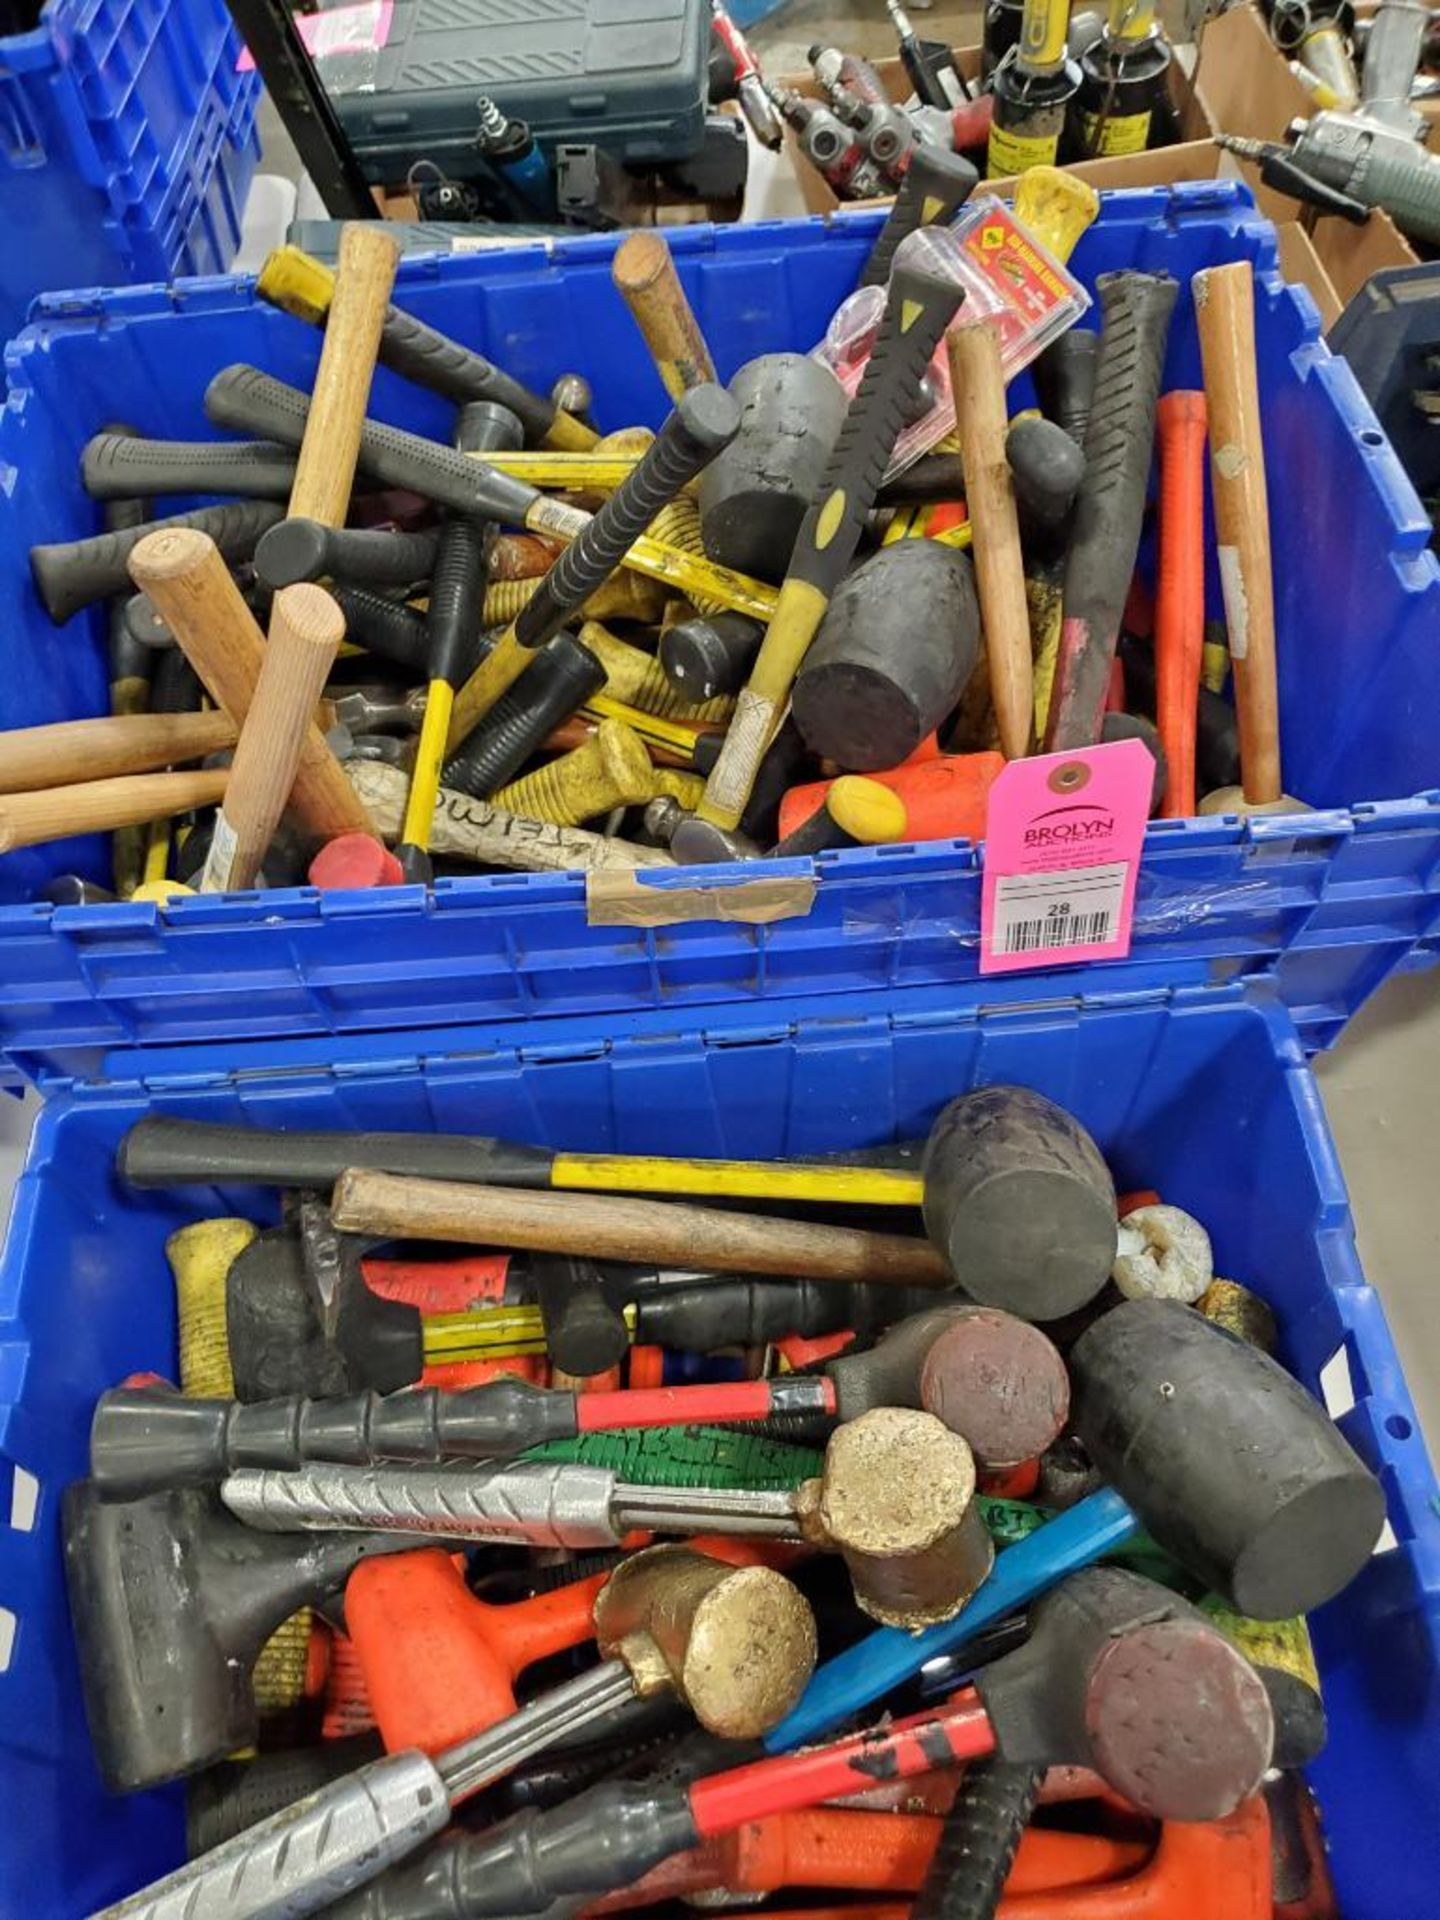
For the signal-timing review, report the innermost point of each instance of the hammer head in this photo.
(1125, 1677)
(737, 1643)
(171, 1602)
(278, 1344)
(1020, 1202)
(1228, 1461)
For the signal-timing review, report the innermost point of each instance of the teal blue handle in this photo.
(887, 1658)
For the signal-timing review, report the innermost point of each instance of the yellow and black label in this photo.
(1017, 152)
(1122, 133)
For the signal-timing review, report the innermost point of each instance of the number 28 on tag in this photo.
(1062, 853)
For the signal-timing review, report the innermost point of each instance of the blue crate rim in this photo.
(1229, 202)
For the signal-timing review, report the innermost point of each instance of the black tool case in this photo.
(626, 75)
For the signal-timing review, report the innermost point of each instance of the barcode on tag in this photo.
(1036, 912)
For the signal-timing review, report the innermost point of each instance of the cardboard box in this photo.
(1191, 159)
(1246, 87)
(1243, 85)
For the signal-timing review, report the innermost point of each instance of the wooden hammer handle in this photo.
(97, 806)
(306, 628)
(645, 275)
(184, 575)
(325, 471)
(1225, 316)
(616, 1227)
(977, 382)
(78, 750)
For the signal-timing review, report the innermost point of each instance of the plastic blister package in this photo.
(1008, 277)
(344, 39)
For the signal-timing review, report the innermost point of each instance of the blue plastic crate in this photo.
(127, 144)
(1329, 905)
(1204, 1095)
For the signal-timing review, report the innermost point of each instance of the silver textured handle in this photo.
(301, 1859)
(539, 1505)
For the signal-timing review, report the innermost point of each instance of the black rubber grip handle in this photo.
(585, 1332)
(163, 1152)
(248, 401)
(1064, 378)
(746, 1313)
(75, 573)
(432, 360)
(918, 310)
(457, 597)
(148, 1439)
(601, 1840)
(936, 185)
(702, 424)
(225, 1800)
(130, 659)
(978, 1842)
(306, 550)
(555, 684)
(1111, 503)
(116, 467)
(385, 627)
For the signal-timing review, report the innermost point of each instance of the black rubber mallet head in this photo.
(1121, 1675)
(1227, 1460)
(1020, 1202)
(171, 1601)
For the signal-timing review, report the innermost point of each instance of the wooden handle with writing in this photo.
(1225, 316)
(306, 628)
(103, 749)
(182, 571)
(977, 380)
(98, 806)
(616, 1227)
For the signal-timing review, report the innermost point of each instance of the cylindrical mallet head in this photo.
(736, 1643)
(1226, 1458)
(1132, 1680)
(999, 1383)
(897, 1501)
(1020, 1202)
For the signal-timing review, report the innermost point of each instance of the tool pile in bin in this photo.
(757, 631)
(489, 1474)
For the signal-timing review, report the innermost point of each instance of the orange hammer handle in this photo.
(1201, 1870)
(880, 1852)
(1180, 601)
(439, 1664)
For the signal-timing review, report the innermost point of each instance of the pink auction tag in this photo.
(362, 28)
(1062, 851)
